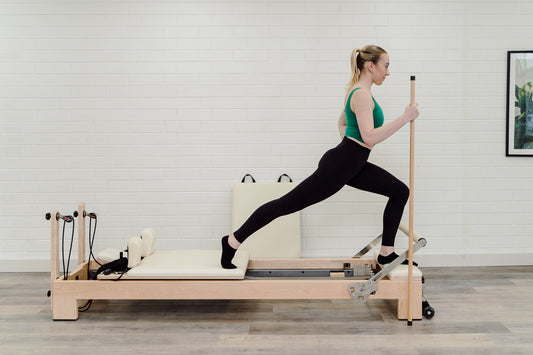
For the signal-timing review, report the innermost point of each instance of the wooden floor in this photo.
(485, 310)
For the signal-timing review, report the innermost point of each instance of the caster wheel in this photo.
(427, 310)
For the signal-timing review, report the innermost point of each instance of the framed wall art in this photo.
(519, 103)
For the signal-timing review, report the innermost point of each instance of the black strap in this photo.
(281, 176)
(120, 264)
(245, 176)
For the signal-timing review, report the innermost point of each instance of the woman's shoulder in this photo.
(353, 91)
(359, 94)
(360, 97)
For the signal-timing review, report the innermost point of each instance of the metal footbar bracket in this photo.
(368, 247)
(363, 270)
(362, 290)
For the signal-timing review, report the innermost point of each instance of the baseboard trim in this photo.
(457, 260)
(31, 265)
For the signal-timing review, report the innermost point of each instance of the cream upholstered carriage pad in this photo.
(185, 264)
(145, 263)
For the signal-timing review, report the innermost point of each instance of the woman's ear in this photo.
(370, 66)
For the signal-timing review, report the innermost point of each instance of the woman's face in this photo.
(380, 70)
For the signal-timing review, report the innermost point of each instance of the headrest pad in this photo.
(134, 251)
(148, 240)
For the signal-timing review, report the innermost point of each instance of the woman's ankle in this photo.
(386, 250)
(233, 242)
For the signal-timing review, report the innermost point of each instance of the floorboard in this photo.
(479, 310)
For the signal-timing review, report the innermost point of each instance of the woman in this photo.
(361, 128)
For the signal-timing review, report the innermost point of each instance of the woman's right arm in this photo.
(363, 106)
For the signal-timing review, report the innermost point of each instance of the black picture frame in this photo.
(519, 128)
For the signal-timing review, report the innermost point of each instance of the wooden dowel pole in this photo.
(411, 208)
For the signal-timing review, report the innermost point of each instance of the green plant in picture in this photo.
(523, 128)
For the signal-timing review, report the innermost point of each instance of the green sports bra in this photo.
(352, 128)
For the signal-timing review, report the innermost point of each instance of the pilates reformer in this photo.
(346, 278)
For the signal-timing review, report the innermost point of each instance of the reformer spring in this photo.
(91, 239)
(91, 216)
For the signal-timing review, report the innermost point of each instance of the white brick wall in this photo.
(149, 111)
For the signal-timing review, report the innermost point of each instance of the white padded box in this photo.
(278, 240)
(401, 272)
(187, 264)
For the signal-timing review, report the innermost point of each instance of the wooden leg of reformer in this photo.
(415, 308)
(64, 306)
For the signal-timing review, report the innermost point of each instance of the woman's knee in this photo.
(403, 192)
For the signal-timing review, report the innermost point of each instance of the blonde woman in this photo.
(361, 128)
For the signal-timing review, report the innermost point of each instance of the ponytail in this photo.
(358, 59)
(353, 66)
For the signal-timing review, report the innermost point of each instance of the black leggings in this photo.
(346, 164)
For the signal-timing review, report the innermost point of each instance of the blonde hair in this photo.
(359, 57)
